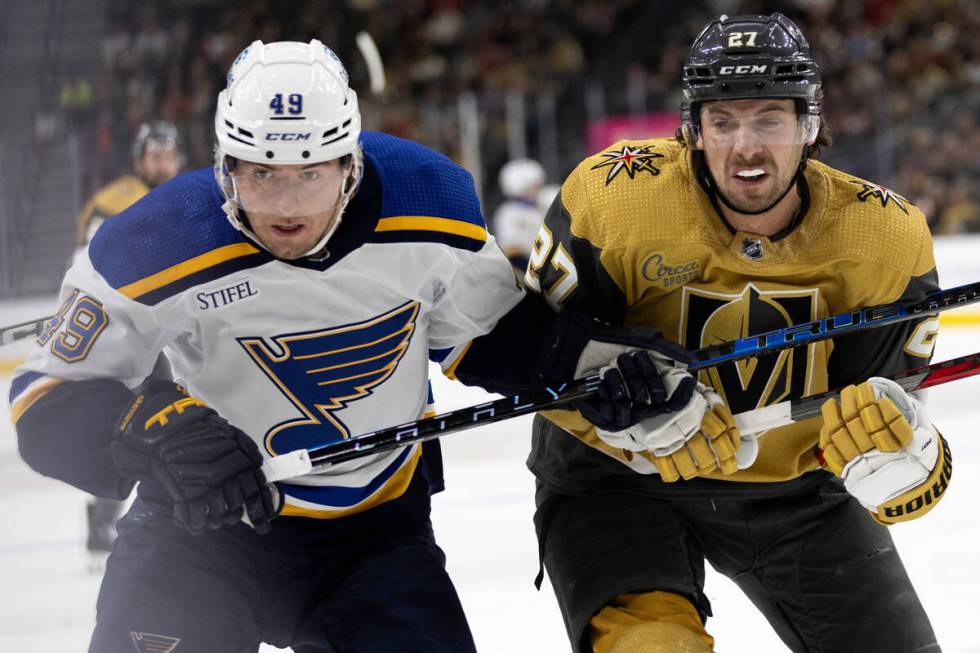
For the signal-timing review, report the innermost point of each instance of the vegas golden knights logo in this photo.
(709, 318)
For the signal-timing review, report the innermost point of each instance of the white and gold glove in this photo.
(879, 440)
(695, 439)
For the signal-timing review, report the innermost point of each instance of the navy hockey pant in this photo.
(373, 581)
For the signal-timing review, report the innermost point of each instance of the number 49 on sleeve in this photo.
(85, 320)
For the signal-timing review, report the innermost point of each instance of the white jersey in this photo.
(294, 354)
(515, 226)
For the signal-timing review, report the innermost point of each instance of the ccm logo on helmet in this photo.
(754, 69)
(288, 136)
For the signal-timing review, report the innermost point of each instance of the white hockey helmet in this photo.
(286, 103)
(522, 178)
(546, 196)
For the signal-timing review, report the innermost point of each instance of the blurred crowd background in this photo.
(482, 81)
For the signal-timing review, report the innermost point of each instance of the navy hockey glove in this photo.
(633, 390)
(210, 469)
(632, 387)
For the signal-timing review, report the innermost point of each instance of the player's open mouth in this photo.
(751, 175)
(287, 229)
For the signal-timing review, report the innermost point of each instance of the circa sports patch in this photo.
(669, 274)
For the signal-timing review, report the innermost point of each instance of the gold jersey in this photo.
(112, 199)
(635, 239)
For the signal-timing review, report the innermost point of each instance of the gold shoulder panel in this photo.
(867, 222)
(634, 193)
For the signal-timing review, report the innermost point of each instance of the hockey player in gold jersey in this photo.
(731, 229)
(156, 159)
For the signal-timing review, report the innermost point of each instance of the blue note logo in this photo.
(150, 643)
(322, 371)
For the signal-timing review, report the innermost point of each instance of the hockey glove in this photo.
(694, 439)
(632, 363)
(879, 440)
(210, 469)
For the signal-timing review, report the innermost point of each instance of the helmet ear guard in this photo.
(690, 128)
(811, 128)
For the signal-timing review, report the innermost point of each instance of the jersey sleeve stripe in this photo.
(427, 223)
(174, 273)
(21, 382)
(439, 355)
(200, 277)
(452, 240)
(452, 361)
(30, 395)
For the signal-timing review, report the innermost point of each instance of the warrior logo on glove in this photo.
(879, 440)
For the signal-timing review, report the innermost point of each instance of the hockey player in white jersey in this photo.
(300, 289)
(518, 218)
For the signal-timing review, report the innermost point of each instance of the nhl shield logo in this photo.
(752, 249)
(150, 643)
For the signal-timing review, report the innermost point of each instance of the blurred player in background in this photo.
(518, 218)
(156, 159)
(733, 229)
(300, 289)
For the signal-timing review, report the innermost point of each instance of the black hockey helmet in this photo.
(750, 57)
(155, 134)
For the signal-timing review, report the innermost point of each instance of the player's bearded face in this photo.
(753, 149)
(290, 207)
(158, 165)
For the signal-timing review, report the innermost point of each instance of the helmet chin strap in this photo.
(231, 209)
(319, 252)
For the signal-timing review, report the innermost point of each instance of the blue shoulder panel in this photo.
(173, 238)
(425, 197)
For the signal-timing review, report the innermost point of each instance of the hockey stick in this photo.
(835, 325)
(23, 330)
(303, 461)
(372, 58)
(797, 410)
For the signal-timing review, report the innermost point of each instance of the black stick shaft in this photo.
(551, 398)
(23, 330)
